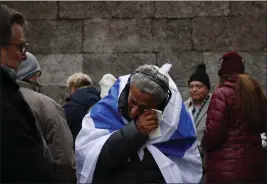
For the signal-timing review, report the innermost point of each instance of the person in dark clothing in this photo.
(22, 151)
(83, 97)
(236, 118)
(50, 119)
(135, 104)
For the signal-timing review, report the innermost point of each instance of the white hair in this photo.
(78, 80)
(142, 79)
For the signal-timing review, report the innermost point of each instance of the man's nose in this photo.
(135, 112)
(194, 88)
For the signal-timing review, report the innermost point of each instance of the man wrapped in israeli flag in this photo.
(126, 139)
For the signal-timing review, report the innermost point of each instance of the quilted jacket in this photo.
(233, 150)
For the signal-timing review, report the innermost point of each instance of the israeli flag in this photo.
(175, 152)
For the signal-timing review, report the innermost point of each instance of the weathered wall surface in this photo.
(116, 37)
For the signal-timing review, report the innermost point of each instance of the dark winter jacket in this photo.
(119, 162)
(233, 149)
(22, 158)
(78, 106)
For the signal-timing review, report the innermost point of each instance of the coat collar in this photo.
(7, 81)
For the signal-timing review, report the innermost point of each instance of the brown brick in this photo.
(184, 64)
(186, 9)
(82, 10)
(56, 68)
(172, 34)
(229, 33)
(49, 36)
(34, 10)
(118, 35)
(97, 65)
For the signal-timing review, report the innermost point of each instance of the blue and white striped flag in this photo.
(175, 152)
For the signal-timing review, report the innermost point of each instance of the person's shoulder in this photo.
(186, 103)
(40, 98)
(219, 92)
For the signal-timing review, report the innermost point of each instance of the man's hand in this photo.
(147, 122)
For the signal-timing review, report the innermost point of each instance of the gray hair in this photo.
(78, 80)
(8, 17)
(146, 84)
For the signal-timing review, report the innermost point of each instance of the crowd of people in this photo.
(135, 129)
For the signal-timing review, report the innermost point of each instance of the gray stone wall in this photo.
(117, 37)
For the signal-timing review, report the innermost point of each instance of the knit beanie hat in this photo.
(28, 67)
(200, 75)
(231, 63)
(106, 83)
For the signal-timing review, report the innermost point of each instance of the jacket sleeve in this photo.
(21, 155)
(215, 131)
(59, 139)
(74, 115)
(118, 148)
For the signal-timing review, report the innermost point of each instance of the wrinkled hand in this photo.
(147, 122)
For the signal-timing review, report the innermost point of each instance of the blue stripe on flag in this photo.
(105, 113)
(183, 137)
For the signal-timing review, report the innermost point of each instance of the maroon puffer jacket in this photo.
(233, 151)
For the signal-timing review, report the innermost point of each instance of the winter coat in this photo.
(233, 149)
(22, 158)
(51, 119)
(200, 122)
(119, 162)
(78, 106)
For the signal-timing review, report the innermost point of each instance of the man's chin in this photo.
(196, 99)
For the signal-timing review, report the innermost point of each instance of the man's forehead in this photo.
(138, 96)
(195, 82)
(18, 34)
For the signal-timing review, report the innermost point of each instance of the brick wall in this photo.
(117, 37)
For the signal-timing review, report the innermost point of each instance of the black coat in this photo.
(22, 156)
(78, 106)
(119, 162)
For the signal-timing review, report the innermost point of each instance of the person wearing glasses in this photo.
(236, 117)
(198, 103)
(22, 158)
(50, 119)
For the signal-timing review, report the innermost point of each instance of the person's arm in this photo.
(22, 156)
(60, 141)
(58, 134)
(74, 115)
(214, 133)
(120, 145)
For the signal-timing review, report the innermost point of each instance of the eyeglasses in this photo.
(197, 86)
(38, 73)
(23, 47)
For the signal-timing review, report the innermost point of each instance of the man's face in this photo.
(198, 91)
(138, 102)
(11, 54)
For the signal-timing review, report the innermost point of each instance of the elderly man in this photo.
(198, 103)
(50, 118)
(125, 139)
(22, 158)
